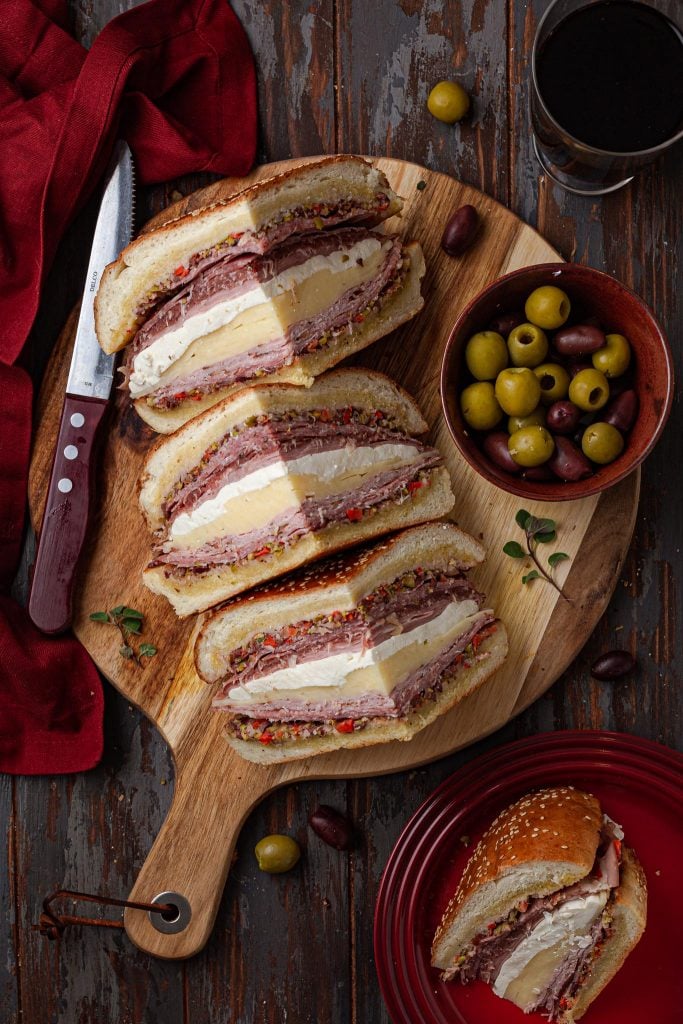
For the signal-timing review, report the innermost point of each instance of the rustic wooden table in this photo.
(352, 76)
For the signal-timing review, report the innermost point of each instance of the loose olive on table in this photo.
(614, 359)
(480, 407)
(276, 854)
(448, 102)
(517, 390)
(531, 446)
(528, 345)
(554, 381)
(602, 443)
(548, 307)
(486, 354)
(589, 390)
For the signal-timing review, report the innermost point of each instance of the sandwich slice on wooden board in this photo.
(276, 476)
(278, 283)
(358, 650)
(548, 908)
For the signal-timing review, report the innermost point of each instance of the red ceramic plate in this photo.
(640, 785)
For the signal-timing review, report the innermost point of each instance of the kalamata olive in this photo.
(617, 385)
(506, 322)
(496, 447)
(613, 665)
(332, 827)
(563, 417)
(568, 462)
(579, 340)
(622, 411)
(538, 473)
(460, 231)
(577, 367)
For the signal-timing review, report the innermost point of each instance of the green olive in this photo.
(548, 307)
(486, 355)
(448, 102)
(589, 390)
(518, 391)
(614, 357)
(480, 408)
(554, 381)
(534, 419)
(531, 446)
(276, 854)
(528, 345)
(602, 443)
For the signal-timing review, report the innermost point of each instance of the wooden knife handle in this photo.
(65, 521)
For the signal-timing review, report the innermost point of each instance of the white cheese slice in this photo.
(255, 499)
(351, 673)
(259, 315)
(530, 967)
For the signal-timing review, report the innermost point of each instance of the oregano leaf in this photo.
(546, 538)
(514, 550)
(522, 518)
(118, 610)
(147, 650)
(99, 616)
(533, 575)
(126, 651)
(556, 558)
(131, 613)
(131, 625)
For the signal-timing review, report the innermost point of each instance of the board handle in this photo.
(193, 851)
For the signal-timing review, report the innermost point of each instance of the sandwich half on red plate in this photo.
(358, 650)
(279, 282)
(549, 906)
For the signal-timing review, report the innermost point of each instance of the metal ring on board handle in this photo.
(167, 924)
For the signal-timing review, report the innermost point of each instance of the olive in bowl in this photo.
(593, 300)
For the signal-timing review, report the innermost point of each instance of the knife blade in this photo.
(89, 385)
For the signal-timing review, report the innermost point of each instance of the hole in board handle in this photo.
(176, 918)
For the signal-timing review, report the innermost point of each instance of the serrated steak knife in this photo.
(87, 394)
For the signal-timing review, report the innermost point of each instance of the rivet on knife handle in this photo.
(65, 522)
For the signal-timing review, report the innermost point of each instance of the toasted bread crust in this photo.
(552, 826)
(116, 303)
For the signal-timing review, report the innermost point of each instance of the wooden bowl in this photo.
(619, 310)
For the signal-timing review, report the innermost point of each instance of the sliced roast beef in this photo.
(231, 277)
(250, 243)
(304, 336)
(420, 684)
(368, 626)
(262, 444)
(312, 515)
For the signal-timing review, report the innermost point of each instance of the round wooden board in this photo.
(214, 788)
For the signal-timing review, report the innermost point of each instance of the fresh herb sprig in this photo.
(129, 622)
(537, 531)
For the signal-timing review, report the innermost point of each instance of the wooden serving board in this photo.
(214, 788)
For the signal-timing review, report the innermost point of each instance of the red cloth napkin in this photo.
(176, 79)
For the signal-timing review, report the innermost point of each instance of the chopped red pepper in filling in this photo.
(345, 726)
(181, 271)
(354, 514)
